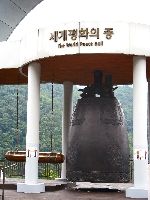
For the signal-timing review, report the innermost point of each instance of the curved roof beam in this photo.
(11, 14)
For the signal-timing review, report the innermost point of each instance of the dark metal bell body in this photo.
(98, 144)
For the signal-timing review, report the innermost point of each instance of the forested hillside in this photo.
(125, 96)
(50, 125)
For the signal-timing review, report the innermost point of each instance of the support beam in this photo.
(67, 112)
(31, 184)
(140, 147)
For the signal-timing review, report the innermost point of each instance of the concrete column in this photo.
(148, 181)
(67, 112)
(149, 137)
(140, 146)
(31, 184)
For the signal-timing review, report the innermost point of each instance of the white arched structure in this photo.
(61, 50)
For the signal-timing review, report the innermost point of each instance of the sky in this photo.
(53, 12)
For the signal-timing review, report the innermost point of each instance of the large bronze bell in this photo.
(98, 144)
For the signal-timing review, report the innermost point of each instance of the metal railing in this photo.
(46, 170)
(131, 168)
(17, 170)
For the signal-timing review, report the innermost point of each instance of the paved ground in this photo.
(66, 195)
(82, 191)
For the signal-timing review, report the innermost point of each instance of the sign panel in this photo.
(31, 152)
(84, 37)
(140, 154)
